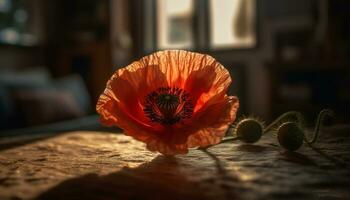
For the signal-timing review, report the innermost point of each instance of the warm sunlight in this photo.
(232, 23)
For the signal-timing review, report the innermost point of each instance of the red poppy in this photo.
(171, 100)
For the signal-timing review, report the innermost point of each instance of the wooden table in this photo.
(97, 165)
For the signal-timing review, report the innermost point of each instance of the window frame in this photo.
(201, 29)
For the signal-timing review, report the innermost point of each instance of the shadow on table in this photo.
(18, 137)
(298, 158)
(163, 178)
(252, 148)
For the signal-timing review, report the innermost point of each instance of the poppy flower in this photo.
(171, 100)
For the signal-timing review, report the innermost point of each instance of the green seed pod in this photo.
(249, 130)
(290, 136)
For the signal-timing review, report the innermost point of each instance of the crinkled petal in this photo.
(200, 75)
(217, 116)
(129, 86)
(206, 128)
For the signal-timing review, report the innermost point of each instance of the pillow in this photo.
(35, 100)
(31, 76)
(9, 117)
(75, 85)
(45, 105)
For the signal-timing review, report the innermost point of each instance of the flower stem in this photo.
(224, 140)
(320, 118)
(319, 122)
(298, 116)
(229, 139)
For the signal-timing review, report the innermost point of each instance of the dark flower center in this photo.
(168, 106)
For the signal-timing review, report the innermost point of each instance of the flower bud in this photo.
(290, 136)
(249, 130)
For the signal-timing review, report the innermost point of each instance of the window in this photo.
(232, 24)
(209, 24)
(175, 23)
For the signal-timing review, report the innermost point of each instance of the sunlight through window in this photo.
(232, 23)
(175, 24)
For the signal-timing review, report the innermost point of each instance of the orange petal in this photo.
(129, 87)
(202, 76)
(113, 114)
(216, 117)
(207, 128)
(142, 132)
(199, 74)
(207, 82)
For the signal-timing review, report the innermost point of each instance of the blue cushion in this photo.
(9, 116)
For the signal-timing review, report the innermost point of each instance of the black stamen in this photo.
(168, 106)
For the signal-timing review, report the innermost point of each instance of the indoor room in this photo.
(174, 99)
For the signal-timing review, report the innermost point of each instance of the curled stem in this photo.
(298, 116)
(320, 118)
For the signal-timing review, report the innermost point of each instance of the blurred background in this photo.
(56, 56)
